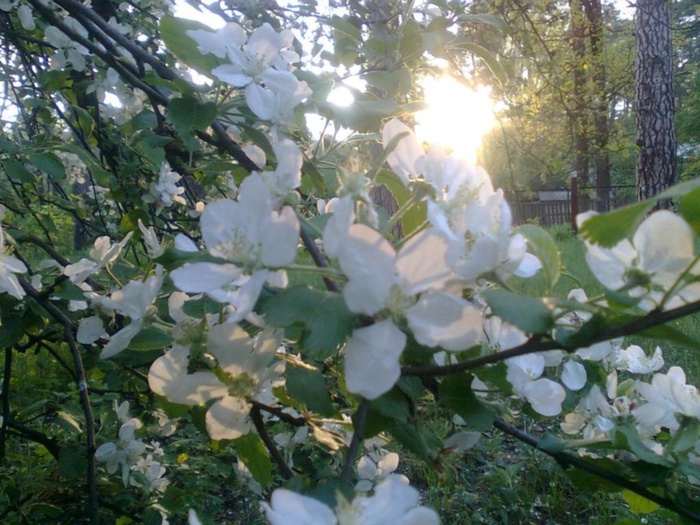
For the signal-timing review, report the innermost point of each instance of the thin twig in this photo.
(537, 344)
(259, 424)
(360, 419)
(564, 459)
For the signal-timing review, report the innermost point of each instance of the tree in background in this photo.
(655, 104)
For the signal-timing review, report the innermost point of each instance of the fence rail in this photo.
(552, 207)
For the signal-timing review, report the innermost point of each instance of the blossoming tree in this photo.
(242, 277)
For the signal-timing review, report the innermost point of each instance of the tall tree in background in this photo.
(656, 131)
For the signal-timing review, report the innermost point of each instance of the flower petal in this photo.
(372, 359)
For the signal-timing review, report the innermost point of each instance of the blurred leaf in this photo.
(639, 504)
(489, 59)
(309, 387)
(16, 171)
(327, 321)
(72, 461)
(419, 439)
(393, 82)
(456, 393)
(610, 228)
(583, 479)
(173, 32)
(545, 249)
(188, 114)
(417, 214)
(68, 422)
(49, 164)
(690, 209)
(527, 313)
(627, 438)
(309, 169)
(344, 27)
(483, 18)
(251, 450)
(150, 339)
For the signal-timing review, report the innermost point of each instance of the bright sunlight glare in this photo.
(456, 116)
(341, 96)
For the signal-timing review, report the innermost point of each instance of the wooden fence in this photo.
(551, 207)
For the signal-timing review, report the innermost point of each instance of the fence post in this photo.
(574, 202)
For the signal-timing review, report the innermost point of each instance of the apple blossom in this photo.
(248, 369)
(9, 266)
(253, 236)
(394, 502)
(135, 301)
(103, 253)
(668, 395)
(655, 263)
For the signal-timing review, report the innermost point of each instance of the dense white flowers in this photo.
(465, 209)
(260, 64)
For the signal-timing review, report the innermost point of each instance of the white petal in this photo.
(422, 264)
(261, 101)
(372, 359)
(440, 319)
(545, 396)
(289, 508)
(204, 277)
(280, 239)
(664, 242)
(89, 330)
(228, 418)
(368, 260)
(574, 375)
(403, 158)
(121, 340)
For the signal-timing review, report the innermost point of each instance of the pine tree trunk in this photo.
(656, 131)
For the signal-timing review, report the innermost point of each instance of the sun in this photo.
(456, 116)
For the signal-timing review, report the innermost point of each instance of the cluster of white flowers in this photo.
(131, 455)
(247, 369)
(259, 63)
(165, 191)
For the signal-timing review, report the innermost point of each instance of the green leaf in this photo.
(68, 422)
(309, 169)
(545, 249)
(173, 32)
(585, 480)
(610, 228)
(456, 393)
(393, 82)
(326, 320)
(527, 313)
(49, 164)
(365, 114)
(627, 438)
(150, 339)
(72, 461)
(489, 59)
(189, 114)
(258, 138)
(16, 171)
(419, 439)
(152, 517)
(690, 209)
(686, 437)
(639, 504)
(482, 18)
(309, 386)
(344, 27)
(251, 450)
(414, 216)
